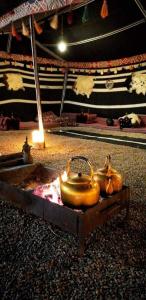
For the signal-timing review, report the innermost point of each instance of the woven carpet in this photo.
(120, 140)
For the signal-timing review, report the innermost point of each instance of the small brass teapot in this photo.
(110, 180)
(79, 189)
(27, 157)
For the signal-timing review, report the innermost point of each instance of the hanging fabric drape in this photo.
(85, 15)
(25, 30)
(70, 18)
(104, 10)
(15, 33)
(37, 27)
(54, 22)
(34, 7)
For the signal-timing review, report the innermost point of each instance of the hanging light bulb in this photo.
(62, 46)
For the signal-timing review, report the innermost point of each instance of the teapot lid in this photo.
(79, 179)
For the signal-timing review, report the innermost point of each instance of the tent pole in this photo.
(9, 43)
(37, 85)
(63, 92)
(45, 49)
(140, 7)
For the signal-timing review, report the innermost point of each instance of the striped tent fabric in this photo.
(106, 100)
(111, 94)
(23, 101)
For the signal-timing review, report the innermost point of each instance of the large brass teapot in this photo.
(79, 189)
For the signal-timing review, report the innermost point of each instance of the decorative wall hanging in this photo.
(54, 22)
(37, 27)
(140, 59)
(85, 16)
(13, 30)
(109, 84)
(34, 7)
(104, 10)
(15, 33)
(84, 85)
(70, 18)
(25, 30)
(13, 81)
(138, 83)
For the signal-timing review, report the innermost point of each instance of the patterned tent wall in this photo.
(23, 101)
(107, 102)
(102, 101)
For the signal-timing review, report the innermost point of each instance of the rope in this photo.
(99, 37)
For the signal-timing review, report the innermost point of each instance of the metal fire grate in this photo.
(13, 187)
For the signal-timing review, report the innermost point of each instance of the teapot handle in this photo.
(82, 158)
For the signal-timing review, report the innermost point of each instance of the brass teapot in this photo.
(109, 179)
(79, 189)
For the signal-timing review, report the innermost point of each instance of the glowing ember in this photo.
(50, 191)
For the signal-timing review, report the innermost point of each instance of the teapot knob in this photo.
(80, 174)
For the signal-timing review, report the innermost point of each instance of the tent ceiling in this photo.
(124, 17)
(6, 6)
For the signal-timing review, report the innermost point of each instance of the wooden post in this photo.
(63, 92)
(37, 85)
(9, 43)
(143, 11)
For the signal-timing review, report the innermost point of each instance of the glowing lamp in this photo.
(38, 139)
(62, 46)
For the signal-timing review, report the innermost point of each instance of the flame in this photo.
(64, 176)
(50, 191)
(38, 136)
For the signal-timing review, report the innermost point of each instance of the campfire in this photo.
(49, 191)
(36, 189)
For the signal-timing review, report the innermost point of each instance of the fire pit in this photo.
(29, 187)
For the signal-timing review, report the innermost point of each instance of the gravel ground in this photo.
(39, 261)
